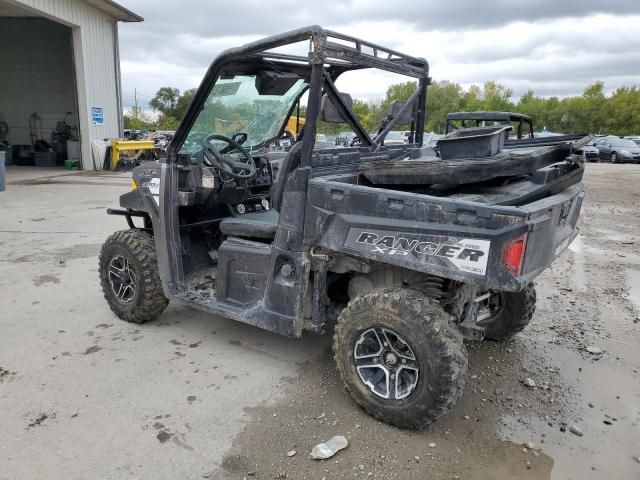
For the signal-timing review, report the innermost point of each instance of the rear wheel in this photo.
(399, 356)
(504, 314)
(129, 276)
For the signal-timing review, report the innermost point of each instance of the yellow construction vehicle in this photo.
(140, 147)
(294, 125)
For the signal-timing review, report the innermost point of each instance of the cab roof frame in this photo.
(330, 54)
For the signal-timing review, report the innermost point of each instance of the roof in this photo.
(116, 10)
(335, 49)
(484, 115)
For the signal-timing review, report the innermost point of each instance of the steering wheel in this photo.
(243, 169)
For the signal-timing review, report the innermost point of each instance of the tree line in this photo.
(169, 103)
(594, 111)
(591, 112)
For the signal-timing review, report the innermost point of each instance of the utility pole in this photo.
(135, 102)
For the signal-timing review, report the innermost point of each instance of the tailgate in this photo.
(458, 240)
(552, 224)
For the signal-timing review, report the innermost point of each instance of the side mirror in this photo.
(394, 110)
(329, 112)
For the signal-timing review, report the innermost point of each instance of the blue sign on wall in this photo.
(97, 115)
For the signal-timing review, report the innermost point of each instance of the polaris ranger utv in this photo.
(414, 253)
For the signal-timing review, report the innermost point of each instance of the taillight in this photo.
(513, 254)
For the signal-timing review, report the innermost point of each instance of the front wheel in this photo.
(614, 158)
(400, 357)
(504, 314)
(129, 276)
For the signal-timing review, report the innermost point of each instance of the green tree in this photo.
(165, 101)
(171, 105)
(472, 99)
(363, 113)
(165, 122)
(623, 111)
(496, 97)
(137, 119)
(594, 111)
(400, 91)
(184, 100)
(442, 97)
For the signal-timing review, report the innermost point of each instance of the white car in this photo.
(395, 137)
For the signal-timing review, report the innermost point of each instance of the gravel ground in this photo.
(83, 395)
(585, 300)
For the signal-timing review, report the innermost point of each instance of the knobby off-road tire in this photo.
(132, 251)
(435, 344)
(514, 315)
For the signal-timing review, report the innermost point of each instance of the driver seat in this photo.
(261, 224)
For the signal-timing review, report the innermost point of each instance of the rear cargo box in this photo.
(471, 143)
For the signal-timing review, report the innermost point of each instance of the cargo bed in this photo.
(458, 231)
(520, 157)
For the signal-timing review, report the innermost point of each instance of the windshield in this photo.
(235, 106)
(623, 143)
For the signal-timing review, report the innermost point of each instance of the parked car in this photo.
(407, 136)
(344, 139)
(135, 134)
(546, 133)
(616, 149)
(431, 139)
(395, 137)
(634, 138)
(322, 142)
(591, 152)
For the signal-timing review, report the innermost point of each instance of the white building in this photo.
(59, 62)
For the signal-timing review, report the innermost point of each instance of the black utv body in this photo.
(411, 252)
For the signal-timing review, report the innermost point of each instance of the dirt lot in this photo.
(83, 395)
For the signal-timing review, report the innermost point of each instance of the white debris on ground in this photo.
(322, 451)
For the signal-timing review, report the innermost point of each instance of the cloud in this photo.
(233, 17)
(552, 47)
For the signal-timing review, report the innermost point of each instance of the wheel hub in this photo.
(390, 359)
(386, 364)
(122, 279)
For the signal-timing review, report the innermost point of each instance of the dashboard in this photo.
(204, 185)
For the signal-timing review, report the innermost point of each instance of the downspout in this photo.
(116, 51)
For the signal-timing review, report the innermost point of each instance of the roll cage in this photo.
(330, 55)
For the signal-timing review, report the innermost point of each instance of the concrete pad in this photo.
(89, 396)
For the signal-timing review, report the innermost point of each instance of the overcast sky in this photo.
(555, 47)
